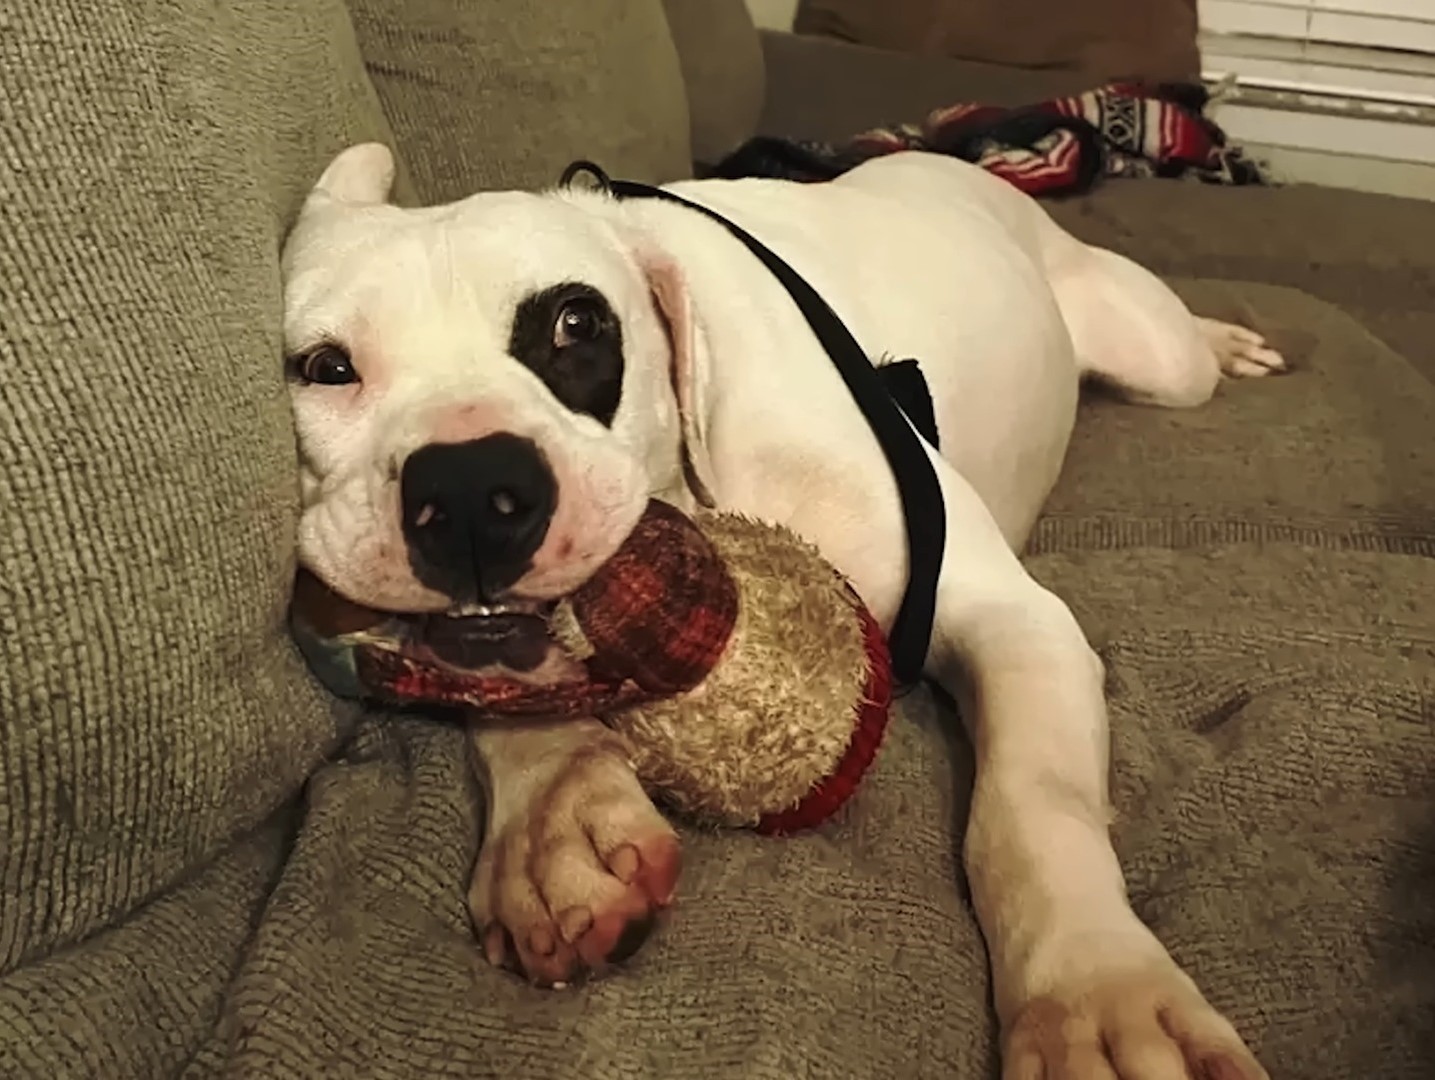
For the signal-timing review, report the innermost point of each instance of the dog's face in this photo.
(482, 391)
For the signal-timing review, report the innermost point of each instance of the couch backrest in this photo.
(496, 94)
(1152, 40)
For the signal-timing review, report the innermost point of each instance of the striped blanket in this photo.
(1057, 147)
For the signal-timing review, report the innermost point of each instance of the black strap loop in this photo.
(917, 483)
(601, 181)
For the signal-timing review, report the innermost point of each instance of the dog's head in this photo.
(485, 392)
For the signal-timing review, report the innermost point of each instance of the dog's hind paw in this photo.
(1242, 353)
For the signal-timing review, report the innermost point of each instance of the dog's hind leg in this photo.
(1134, 334)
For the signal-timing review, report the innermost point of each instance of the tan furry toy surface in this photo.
(750, 680)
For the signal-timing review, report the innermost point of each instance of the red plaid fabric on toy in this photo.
(1056, 147)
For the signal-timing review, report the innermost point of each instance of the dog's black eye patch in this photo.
(570, 337)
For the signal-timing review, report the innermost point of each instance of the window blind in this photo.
(1345, 77)
(1382, 50)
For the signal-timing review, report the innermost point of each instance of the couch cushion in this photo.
(486, 94)
(1269, 640)
(723, 71)
(847, 953)
(154, 709)
(1154, 40)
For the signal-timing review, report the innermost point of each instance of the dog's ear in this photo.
(690, 373)
(362, 175)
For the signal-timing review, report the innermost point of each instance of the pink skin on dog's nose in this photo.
(465, 422)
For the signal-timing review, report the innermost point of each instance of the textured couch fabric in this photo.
(155, 715)
(824, 89)
(491, 94)
(1258, 575)
(1154, 40)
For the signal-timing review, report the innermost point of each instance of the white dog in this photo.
(488, 392)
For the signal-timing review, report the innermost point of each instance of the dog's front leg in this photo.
(1083, 990)
(576, 861)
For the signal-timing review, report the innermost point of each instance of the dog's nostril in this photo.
(428, 514)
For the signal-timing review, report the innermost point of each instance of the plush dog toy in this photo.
(750, 680)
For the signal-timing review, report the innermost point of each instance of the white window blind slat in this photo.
(1416, 10)
(1274, 18)
(1400, 25)
(1377, 31)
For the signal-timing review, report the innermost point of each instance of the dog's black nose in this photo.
(475, 512)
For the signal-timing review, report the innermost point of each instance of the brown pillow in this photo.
(1151, 40)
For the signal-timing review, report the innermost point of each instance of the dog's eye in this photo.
(327, 364)
(578, 320)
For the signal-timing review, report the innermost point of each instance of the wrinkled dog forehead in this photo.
(484, 254)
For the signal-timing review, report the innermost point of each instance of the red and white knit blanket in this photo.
(1056, 147)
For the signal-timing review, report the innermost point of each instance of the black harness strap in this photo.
(917, 483)
(904, 381)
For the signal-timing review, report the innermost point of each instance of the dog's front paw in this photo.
(1148, 1025)
(574, 875)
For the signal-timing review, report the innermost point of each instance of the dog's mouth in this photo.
(514, 636)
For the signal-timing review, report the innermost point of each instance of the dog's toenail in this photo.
(541, 942)
(560, 986)
(506, 949)
(625, 863)
(631, 939)
(574, 923)
(493, 944)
